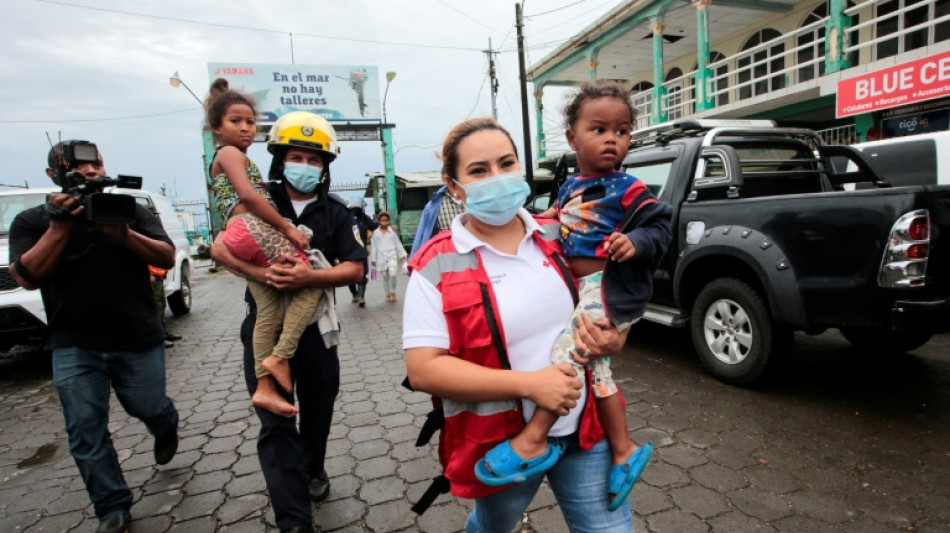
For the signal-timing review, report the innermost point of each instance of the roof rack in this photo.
(668, 130)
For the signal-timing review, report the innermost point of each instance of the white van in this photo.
(22, 314)
(912, 160)
(178, 279)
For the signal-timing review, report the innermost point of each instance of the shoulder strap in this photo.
(493, 327)
(566, 274)
(215, 156)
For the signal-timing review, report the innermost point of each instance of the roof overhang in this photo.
(622, 40)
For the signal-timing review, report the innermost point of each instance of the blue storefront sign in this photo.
(927, 122)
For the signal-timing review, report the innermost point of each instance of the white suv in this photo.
(22, 315)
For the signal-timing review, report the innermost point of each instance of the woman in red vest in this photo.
(484, 305)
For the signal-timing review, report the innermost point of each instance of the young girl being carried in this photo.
(257, 234)
(610, 222)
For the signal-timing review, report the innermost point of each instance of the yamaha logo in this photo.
(307, 131)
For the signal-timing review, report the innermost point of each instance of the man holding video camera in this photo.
(89, 256)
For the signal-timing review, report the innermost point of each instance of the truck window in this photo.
(654, 176)
(778, 170)
(11, 205)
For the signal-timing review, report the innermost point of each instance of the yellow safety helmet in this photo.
(302, 129)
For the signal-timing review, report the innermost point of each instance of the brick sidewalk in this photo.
(834, 447)
(214, 482)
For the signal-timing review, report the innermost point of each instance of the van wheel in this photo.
(881, 340)
(734, 334)
(180, 301)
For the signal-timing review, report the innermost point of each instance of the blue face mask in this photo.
(302, 176)
(496, 200)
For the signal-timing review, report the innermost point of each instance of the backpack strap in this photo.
(440, 485)
(435, 421)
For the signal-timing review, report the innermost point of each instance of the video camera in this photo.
(100, 207)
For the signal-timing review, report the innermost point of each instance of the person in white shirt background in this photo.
(386, 252)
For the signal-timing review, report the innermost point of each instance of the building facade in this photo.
(852, 71)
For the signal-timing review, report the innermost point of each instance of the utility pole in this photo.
(493, 88)
(528, 159)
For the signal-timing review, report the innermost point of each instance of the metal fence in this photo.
(195, 216)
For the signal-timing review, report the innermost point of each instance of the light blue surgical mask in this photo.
(302, 176)
(496, 200)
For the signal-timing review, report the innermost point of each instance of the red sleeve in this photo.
(632, 194)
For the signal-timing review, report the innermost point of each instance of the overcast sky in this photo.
(84, 67)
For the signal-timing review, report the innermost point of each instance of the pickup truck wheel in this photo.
(734, 334)
(180, 301)
(880, 340)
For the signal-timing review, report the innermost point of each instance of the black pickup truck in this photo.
(768, 239)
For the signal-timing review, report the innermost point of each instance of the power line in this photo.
(59, 121)
(415, 146)
(572, 19)
(250, 28)
(479, 97)
(555, 9)
(476, 21)
(535, 47)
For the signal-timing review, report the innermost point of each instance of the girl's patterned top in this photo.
(226, 198)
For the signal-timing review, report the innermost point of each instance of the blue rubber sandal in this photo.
(623, 477)
(502, 466)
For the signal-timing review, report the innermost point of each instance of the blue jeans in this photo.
(579, 482)
(82, 378)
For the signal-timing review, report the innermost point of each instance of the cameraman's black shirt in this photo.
(100, 296)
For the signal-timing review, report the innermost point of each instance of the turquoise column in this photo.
(703, 74)
(539, 118)
(390, 169)
(835, 38)
(592, 62)
(659, 92)
(207, 157)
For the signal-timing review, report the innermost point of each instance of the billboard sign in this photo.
(338, 93)
(915, 81)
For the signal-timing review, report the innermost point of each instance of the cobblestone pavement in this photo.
(841, 443)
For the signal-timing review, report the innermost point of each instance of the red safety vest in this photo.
(471, 429)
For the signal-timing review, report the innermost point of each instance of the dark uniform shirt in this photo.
(100, 296)
(341, 245)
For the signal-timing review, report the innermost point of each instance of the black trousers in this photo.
(291, 456)
(355, 288)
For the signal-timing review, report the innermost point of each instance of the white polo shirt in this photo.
(534, 303)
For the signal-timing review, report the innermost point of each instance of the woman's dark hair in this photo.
(450, 147)
(592, 91)
(220, 99)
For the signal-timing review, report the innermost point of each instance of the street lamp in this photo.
(209, 148)
(389, 77)
(175, 81)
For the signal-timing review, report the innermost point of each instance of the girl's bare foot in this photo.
(392, 297)
(267, 397)
(279, 369)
